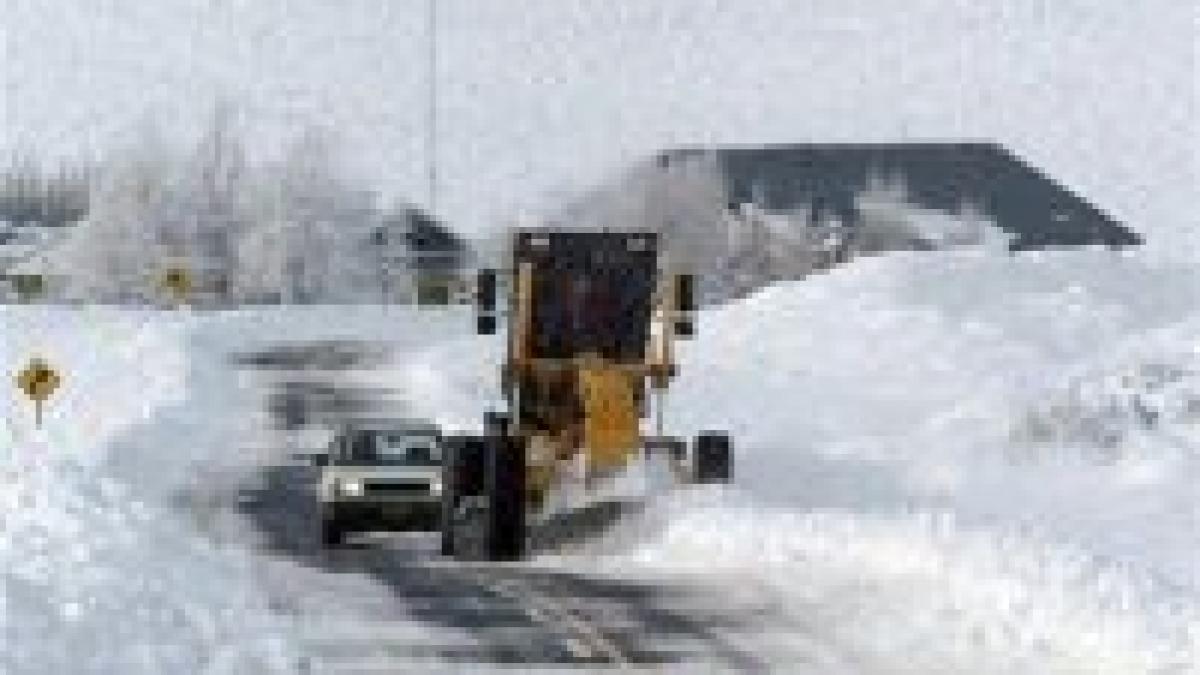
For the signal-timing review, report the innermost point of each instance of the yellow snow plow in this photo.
(591, 318)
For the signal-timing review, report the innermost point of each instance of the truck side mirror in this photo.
(685, 293)
(485, 324)
(685, 305)
(485, 290)
(485, 302)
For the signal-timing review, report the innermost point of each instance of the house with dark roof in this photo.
(422, 260)
(1019, 198)
(743, 217)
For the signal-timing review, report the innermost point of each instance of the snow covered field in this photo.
(951, 462)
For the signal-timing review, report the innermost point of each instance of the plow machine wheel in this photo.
(462, 486)
(505, 490)
(713, 458)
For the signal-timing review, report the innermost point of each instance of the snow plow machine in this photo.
(591, 318)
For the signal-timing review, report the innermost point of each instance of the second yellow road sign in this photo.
(38, 381)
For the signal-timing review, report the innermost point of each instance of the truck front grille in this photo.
(396, 488)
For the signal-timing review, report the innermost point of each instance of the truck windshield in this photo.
(605, 309)
(404, 449)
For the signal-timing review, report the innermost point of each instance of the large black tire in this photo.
(446, 523)
(712, 460)
(445, 527)
(463, 472)
(332, 532)
(483, 501)
(446, 534)
(505, 490)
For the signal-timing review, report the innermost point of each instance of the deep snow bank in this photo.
(1058, 387)
(223, 422)
(96, 575)
(915, 590)
(966, 461)
(994, 457)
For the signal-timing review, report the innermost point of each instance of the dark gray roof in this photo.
(427, 234)
(433, 246)
(1021, 199)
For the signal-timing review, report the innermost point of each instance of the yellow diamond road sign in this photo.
(177, 281)
(38, 380)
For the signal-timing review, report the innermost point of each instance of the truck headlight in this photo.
(351, 488)
(435, 486)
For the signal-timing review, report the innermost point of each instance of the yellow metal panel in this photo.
(540, 468)
(524, 314)
(659, 351)
(611, 420)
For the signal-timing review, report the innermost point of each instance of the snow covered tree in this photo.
(103, 258)
(289, 230)
(321, 224)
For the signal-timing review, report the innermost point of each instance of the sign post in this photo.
(38, 380)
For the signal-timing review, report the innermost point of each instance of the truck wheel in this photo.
(332, 533)
(469, 528)
(463, 471)
(505, 484)
(446, 522)
(447, 536)
(712, 460)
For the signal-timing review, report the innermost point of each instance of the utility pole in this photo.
(431, 113)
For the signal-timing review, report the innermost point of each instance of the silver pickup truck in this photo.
(383, 476)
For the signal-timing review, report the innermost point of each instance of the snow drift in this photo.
(965, 461)
(986, 461)
(96, 576)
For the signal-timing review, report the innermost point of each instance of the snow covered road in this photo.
(390, 602)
